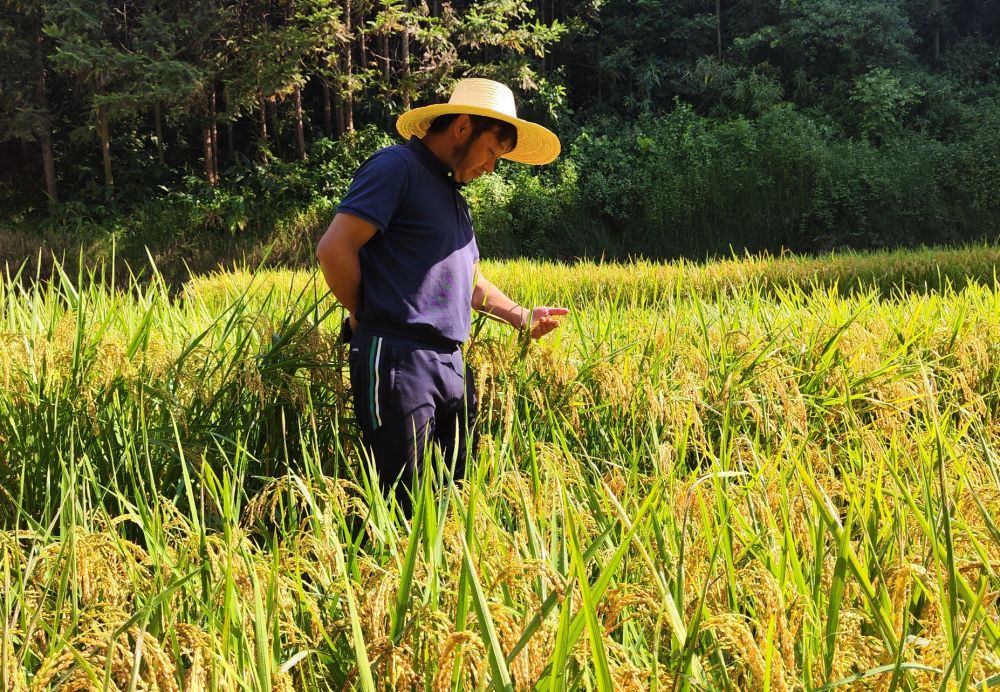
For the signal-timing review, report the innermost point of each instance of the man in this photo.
(401, 257)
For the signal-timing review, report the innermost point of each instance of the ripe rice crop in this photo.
(760, 473)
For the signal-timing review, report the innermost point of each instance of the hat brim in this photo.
(535, 144)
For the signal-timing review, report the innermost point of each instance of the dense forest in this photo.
(689, 127)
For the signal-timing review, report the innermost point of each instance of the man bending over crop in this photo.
(401, 256)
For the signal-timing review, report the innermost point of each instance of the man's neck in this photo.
(439, 147)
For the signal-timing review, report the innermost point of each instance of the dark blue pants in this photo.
(408, 395)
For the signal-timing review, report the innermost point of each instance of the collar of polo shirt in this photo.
(417, 145)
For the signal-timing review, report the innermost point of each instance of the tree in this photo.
(24, 100)
(639, 54)
(196, 44)
(161, 34)
(839, 39)
(92, 47)
(322, 21)
(276, 46)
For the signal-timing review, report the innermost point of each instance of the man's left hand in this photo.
(545, 319)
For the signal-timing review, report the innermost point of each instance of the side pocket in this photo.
(356, 367)
(373, 376)
(377, 357)
(394, 358)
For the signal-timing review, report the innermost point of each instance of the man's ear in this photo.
(461, 124)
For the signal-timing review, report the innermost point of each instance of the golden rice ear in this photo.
(734, 635)
(74, 664)
(98, 568)
(473, 656)
(11, 669)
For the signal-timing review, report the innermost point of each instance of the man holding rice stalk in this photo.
(401, 257)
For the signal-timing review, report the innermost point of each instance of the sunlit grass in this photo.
(755, 474)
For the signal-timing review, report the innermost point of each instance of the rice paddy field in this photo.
(753, 474)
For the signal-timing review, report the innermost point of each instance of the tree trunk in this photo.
(102, 132)
(262, 117)
(49, 165)
(158, 129)
(261, 125)
(936, 13)
(214, 115)
(215, 153)
(386, 63)
(230, 144)
(362, 42)
(206, 140)
(405, 60)
(338, 107)
(349, 113)
(273, 107)
(45, 126)
(300, 134)
(600, 90)
(363, 57)
(541, 18)
(718, 27)
(348, 71)
(327, 110)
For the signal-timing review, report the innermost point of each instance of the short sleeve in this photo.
(378, 189)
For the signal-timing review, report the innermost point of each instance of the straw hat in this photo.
(535, 144)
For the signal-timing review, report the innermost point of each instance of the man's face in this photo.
(473, 156)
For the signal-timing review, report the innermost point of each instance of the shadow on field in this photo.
(34, 257)
(129, 262)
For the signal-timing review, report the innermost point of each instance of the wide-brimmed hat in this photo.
(535, 144)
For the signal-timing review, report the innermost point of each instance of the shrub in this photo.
(666, 186)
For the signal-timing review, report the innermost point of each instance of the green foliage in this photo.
(879, 100)
(20, 114)
(531, 215)
(269, 212)
(844, 37)
(677, 185)
(686, 185)
(974, 62)
(688, 128)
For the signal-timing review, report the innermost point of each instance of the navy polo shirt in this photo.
(418, 270)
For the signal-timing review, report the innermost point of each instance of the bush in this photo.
(524, 212)
(270, 211)
(675, 185)
(686, 185)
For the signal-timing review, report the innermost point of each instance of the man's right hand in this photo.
(347, 329)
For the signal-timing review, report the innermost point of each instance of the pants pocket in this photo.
(378, 357)
(393, 371)
(368, 375)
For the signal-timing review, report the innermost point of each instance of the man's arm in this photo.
(490, 300)
(337, 253)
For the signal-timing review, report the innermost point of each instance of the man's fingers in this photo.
(542, 313)
(543, 326)
(543, 320)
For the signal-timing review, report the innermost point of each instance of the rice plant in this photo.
(764, 473)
